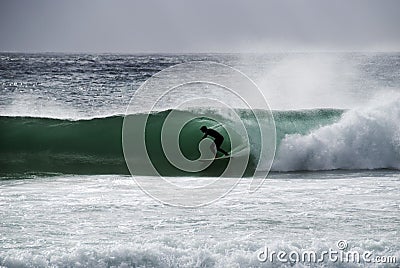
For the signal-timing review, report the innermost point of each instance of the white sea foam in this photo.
(364, 138)
(223, 254)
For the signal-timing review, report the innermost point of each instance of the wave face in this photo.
(319, 139)
(61, 146)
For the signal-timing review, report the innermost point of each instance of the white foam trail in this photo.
(364, 138)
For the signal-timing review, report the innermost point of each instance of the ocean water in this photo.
(67, 198)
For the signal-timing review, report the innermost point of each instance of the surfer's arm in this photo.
(205, 136)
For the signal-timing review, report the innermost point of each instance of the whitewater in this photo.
(68, 199)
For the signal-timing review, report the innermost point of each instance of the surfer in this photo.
(218, 139)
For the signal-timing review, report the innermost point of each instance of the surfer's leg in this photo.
(218, 143)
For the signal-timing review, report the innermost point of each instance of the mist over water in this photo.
(328, 80)
(84, 85)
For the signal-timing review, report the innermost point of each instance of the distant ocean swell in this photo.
(319, 139)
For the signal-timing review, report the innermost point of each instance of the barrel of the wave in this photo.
(172, 138)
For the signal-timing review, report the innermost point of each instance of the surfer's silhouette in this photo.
(218, 139)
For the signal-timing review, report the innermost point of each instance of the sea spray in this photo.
(364, 138)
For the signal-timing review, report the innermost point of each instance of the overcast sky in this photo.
(131, 26)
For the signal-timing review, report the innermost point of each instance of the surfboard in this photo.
(217, 158)
(235, 153)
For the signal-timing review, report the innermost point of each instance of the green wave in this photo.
(94, 146)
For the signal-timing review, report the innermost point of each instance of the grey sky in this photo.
(198, 26)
